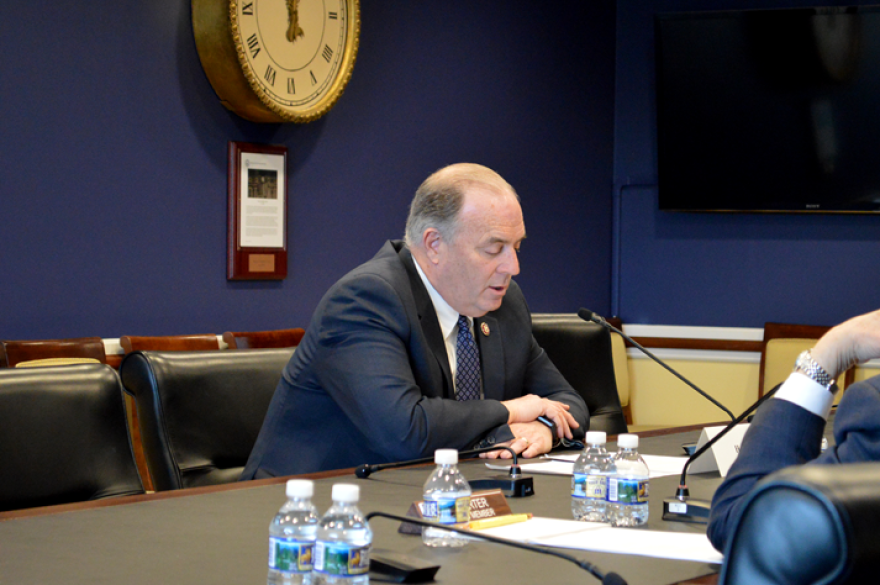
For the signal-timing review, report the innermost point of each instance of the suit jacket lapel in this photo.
(488, 336)
(428, 320)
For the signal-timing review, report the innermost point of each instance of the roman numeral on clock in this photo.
(254, 45)
(248, 8)
(327, 53)
(269, 76)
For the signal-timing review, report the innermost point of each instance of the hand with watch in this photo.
(852, 342)
(813, 370)
(560, 443)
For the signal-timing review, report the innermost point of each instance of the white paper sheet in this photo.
(563, 464)
(598, 537)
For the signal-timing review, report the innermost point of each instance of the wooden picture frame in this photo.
(257, 212)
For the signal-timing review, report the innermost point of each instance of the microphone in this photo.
(682, 508)
(587, 315)
(513, 485)
(606, 578)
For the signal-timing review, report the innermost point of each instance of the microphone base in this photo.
(511, 487)
(686, 510)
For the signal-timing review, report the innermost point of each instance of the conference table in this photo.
(219, 534)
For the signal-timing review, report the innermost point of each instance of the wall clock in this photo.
(277, 60)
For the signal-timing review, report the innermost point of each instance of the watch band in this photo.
(809, 367)
(552, 426)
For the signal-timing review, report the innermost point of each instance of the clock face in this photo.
(297, 55)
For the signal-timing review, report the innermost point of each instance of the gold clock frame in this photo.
(222, 55)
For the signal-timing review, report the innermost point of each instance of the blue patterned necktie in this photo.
(467, 373)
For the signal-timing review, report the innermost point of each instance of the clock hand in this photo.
(293, 31)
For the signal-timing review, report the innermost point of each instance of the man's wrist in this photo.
(806, 393)
(554, 439)
(813, 370)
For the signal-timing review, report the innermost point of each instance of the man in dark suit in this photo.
(788, 428)
(426, 346)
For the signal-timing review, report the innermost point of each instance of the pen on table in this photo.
(498, 521)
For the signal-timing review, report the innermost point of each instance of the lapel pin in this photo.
(484, 327)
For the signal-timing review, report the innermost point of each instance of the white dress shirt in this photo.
(806, 393)
(448, 318)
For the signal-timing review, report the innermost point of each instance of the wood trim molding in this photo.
(701, 344)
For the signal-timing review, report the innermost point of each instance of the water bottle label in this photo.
(290, 555)
(342, 560)
(628, 491)
(579, 485)
(448, 510)
(597, 487)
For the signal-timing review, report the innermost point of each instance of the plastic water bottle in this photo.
(342, 549)
(292, 536)
(628, 487)
(447, 498)
(589, 484)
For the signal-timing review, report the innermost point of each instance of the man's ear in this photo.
(433, 242)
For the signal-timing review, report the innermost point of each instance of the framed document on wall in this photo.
(257, 212)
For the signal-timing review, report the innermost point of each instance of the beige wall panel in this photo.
(660, 399)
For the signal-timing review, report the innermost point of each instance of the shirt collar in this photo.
(447, 316)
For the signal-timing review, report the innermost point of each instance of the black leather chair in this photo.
(63, 437)
(582, 353)
(200, 411)
(808, 524)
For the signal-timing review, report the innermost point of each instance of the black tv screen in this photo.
(769, 110)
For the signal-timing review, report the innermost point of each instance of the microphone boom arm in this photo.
(607, 578)
(590, 316)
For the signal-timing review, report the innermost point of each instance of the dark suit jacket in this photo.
(784, 434)
(370, 381)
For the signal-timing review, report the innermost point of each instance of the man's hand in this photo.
(852, 342)
(532, 439)
(528, 408)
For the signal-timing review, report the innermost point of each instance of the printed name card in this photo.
(722, 454)
(484, 504)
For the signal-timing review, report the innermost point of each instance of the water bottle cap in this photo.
(628, 441)
(345, 492)
(596, 437)
(300, 488)
(446, 456)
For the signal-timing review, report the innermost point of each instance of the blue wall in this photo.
(719, 269)
(113, 182)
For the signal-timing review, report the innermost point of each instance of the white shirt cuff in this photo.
(806, 393)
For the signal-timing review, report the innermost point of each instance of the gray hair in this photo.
(440, 197)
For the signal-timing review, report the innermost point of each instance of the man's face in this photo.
(474, 269)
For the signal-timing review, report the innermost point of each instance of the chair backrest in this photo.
(782, 344)
(63, 437)
(40, 349)
(621, 373)
(199, 342)
(263, 339)
(582, 353)
(808, 524)
(200, 411)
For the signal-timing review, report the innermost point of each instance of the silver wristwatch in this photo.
(810, 368)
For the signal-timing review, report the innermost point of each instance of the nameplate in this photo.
(484, 504)
(722, 454)
(261, 262)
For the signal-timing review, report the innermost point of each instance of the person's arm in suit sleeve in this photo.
(544, 380)
(540, 378)
(788, 429)
(367, 368)
(781, 434)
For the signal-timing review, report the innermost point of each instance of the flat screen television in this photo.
(769, 110)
